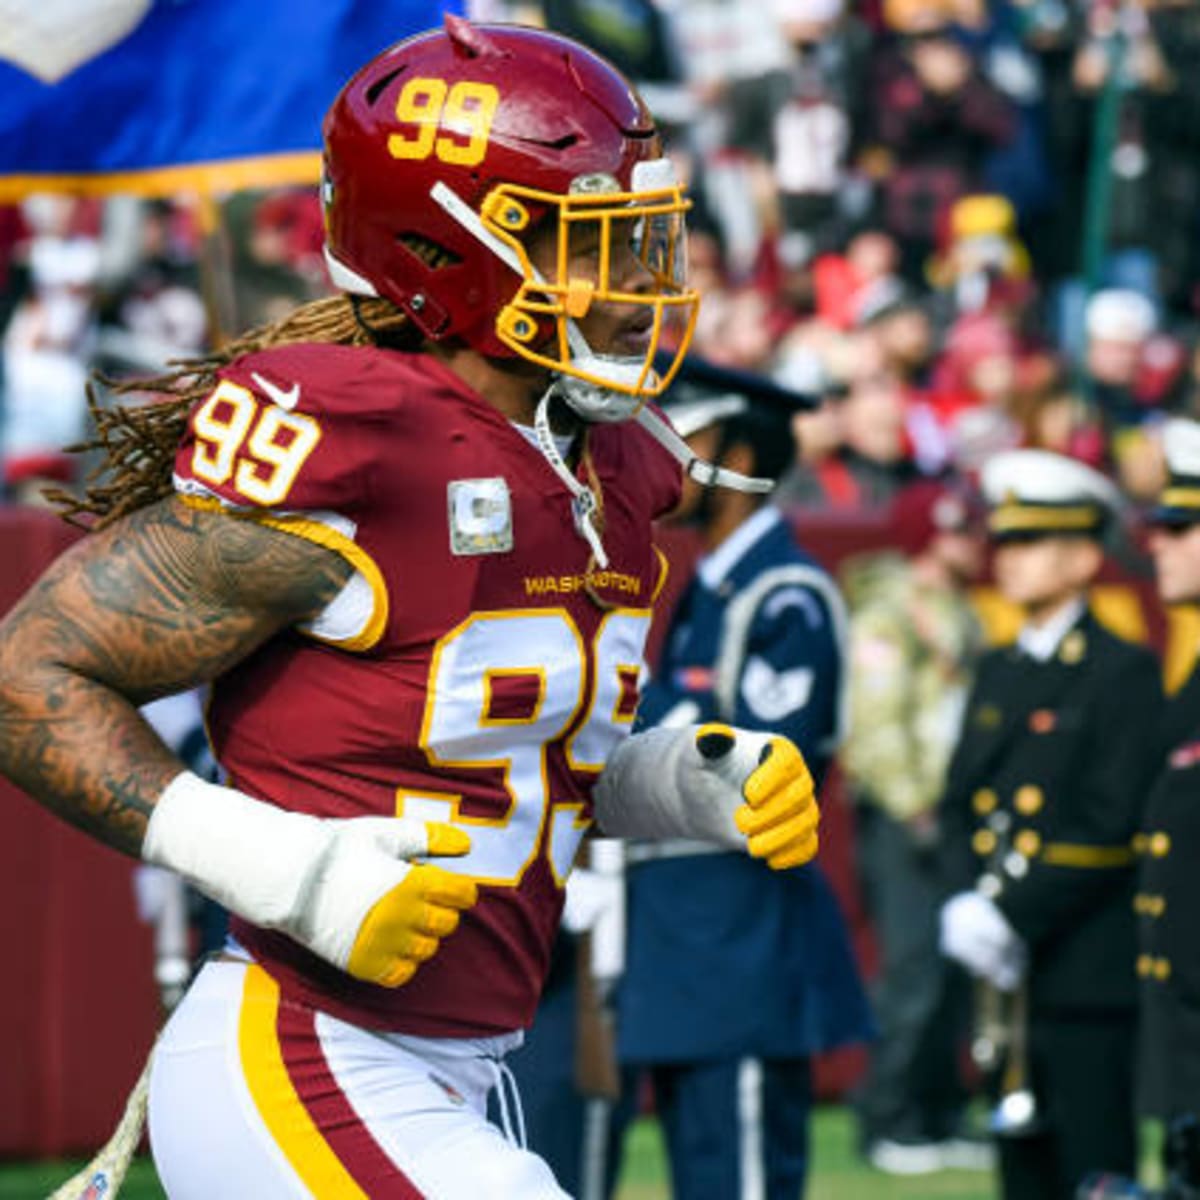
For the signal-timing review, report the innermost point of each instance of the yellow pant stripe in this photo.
(278, 1104)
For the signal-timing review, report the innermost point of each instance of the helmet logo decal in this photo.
(595, 184)
(431, 107)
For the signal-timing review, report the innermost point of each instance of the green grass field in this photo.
(838, 1173)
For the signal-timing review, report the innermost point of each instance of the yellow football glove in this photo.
(780, 814)
(406, 926)
(355, 891)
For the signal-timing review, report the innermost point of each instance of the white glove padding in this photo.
(345, 889)
(590, 896)
(735, 787)
(975, 933)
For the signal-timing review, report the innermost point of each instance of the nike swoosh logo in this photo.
(288, 399)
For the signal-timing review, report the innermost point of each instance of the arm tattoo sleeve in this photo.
(165, 599)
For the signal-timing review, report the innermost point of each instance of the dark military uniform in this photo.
(1166, 904)
(1168, 896)
(1045, 789)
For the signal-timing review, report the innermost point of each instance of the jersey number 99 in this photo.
(559, 676)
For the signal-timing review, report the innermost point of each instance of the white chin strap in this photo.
(702, 472)
(584, 505)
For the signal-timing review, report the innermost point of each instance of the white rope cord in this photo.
(105, 1173)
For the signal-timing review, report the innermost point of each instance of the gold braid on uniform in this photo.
(138, 441)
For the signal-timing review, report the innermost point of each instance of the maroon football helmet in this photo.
(442, 155)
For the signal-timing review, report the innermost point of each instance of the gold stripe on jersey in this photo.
(664, 569)
(322, 535)
(278, 1104)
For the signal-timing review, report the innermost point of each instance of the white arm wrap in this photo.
(657, 784)
(249, 856)
(314, 879)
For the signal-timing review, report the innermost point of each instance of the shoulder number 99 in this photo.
(465, 110)
(261, 447)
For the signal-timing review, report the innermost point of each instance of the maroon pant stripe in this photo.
(319, 1092)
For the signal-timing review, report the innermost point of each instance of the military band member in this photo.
(1043, 798)
(735, 978)
(1168, 897)
(914, 639)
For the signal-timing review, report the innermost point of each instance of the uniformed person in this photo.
(1168, 897)
(1044, 796)
(735, 978)
(914, 639)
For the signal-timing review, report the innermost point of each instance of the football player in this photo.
(406, 533)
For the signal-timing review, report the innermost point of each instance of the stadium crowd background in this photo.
(969, 224)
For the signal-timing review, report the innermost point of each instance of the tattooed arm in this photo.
(165, 599)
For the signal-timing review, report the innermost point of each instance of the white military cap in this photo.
(1032, 493)
(1179, 503)
(694, 414)
(807, 11)
(1120, 315)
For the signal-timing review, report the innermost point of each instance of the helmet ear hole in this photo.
(377, 88)
(431, 255)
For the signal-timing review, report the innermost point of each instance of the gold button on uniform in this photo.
(1149, 967)
(1027, 842)
(1074, 647)
(984, 801)
(1028, 800)
(1140, 843)
(984, 842)
(1160, 845)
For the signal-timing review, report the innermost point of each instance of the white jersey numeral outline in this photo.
(458, 731)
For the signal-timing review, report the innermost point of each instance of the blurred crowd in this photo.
(968, 224)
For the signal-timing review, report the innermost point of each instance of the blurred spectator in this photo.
(277, 241)
(721, 42)
(873, 460)
(47, 348)
(937, 116)
(1173, 123)
(1132, 372)
(903, 328)
(983, 264)
(1147, 236)
(1050, 415)
(155, 313)
(804, 121)
(913, 641)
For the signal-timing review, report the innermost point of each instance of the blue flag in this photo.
(159, 96)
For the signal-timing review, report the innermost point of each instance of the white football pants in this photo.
(254, 1099)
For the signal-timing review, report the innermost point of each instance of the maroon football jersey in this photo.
(478, 668)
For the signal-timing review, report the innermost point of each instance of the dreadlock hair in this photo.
(138, 441)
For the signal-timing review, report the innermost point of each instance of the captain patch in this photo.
(480, 516)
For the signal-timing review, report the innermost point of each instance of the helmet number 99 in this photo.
(465, 111)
